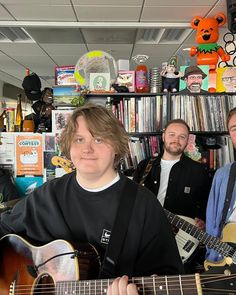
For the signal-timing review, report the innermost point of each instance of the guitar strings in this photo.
(173, 284)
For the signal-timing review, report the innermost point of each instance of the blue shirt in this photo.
(215, 207)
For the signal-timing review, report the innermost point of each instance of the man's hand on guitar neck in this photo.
(200, 224)
(120, 286)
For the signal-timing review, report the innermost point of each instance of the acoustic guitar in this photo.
(60, 268)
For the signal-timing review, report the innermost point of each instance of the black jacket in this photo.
(61, 209)
(188, 186)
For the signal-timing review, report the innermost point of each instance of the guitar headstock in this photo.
(63, 163)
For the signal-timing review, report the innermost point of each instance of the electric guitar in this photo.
(188, 243)
(58, 268)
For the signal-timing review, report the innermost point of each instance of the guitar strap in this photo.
(147, 170)
(229, 192)
(119, 230)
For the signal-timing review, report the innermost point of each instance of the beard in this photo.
(174, 149)
(195, 87)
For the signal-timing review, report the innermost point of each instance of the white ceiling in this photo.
(63, 30)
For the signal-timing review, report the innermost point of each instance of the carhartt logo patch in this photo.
(187, 189)
(105, 236)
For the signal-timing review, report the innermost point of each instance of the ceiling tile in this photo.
(108, 2)
(63, 49)
(42, 12)
(122, 51)
(179, 13)
(180, 2)
(108, 13)
(56, 35)
(21, 49)
(38, 2)
(109, 36)
(4, 14)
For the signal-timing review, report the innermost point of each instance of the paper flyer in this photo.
(29, 154)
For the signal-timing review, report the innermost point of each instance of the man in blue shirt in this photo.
(216, 200)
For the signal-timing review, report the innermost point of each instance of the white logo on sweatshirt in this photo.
(105, 236)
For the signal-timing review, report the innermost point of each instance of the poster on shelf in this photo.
(64, 95)
(203, 82)
(26, 185)
(29, 154)
(7, 148)
(99, 82)
(49, 143)
(226, 79)
(59, 119)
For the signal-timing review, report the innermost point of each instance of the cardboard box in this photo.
(65, 75)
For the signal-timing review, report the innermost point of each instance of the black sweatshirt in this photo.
(61, 209)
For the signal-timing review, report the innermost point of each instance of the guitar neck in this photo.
(208, 240)
(171, 285)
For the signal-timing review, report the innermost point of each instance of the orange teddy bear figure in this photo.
(208, 52)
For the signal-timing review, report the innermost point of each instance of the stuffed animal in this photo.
(171, 76)
(208, 51)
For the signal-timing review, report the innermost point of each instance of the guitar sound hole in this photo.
(44, 285)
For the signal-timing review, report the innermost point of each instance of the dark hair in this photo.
(100, 122)
(230, 115)
(177, 121)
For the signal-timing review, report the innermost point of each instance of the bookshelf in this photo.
(144, 116)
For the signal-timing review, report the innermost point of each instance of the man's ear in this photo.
(163, 136)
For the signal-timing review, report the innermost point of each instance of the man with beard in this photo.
(181, 184)
(193, 77)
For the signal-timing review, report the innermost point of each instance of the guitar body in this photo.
(18, 259)
(54, 269)
(186, 243)
(228, 236)
(229, 233)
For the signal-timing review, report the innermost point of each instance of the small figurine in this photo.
(208, 52)
(171, 76)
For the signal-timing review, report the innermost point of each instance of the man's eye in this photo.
(183, 137)
(98, 140)
(79, 139)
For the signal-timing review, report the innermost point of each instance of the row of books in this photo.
(142, 114)
(142, 148)
(203, 113)
(216, 158)
(150, 146)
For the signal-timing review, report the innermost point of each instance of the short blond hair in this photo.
(100, 122)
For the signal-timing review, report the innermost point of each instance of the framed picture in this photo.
(226, 79)
(99, 82)
(59, 119)
(203, 83)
